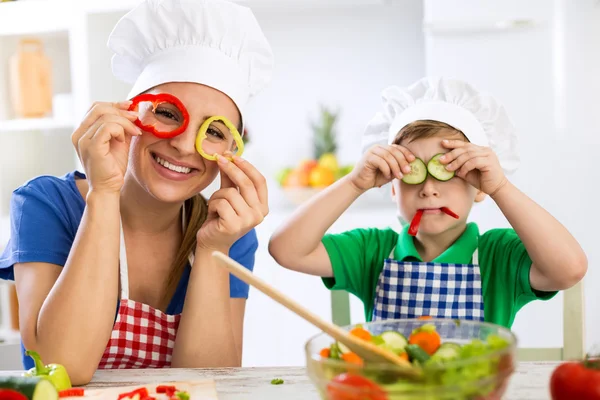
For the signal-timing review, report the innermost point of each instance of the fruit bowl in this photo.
(298, 195)
(478, 361)
(301, 182)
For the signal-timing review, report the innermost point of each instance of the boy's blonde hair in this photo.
(424, 129)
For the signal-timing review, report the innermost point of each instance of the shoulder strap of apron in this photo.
(123, 268)
(476, 256)
(184, 225)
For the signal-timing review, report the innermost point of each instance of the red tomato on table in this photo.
(576, 380)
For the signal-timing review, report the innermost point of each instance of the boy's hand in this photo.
(380, 165)
(477, 165)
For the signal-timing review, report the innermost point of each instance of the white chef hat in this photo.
(457, 103)
(212, 42)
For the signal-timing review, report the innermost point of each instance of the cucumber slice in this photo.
(343, 349)
(394, 340)
(334, 351)
(377, 340)
(447, 351)
(417, 174)
(34, 388)
(416, 353)
(438, 170)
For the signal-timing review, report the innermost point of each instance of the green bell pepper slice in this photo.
(55, 373)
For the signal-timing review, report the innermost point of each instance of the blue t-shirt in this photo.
(45, 214)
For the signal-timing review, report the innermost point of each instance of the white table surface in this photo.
(529, 382)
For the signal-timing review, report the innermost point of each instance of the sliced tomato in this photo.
(354, 387)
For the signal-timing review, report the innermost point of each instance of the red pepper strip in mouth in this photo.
(449, 212)
(414, 224)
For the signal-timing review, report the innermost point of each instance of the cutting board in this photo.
(198, 390)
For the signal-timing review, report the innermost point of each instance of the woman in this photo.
(120, 236)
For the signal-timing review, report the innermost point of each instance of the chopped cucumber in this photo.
(377, 340)
(343, 349)
(438, 170)
(425, 328)
(416, 353)
(394, 340)
(34, 388)
(334, 351)
(447, 351)
(417, 174)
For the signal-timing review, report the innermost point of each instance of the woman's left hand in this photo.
(477, 165)
(238, 206)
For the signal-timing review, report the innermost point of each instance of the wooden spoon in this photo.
(364, 349)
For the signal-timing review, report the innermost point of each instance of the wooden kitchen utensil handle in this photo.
(362, 348)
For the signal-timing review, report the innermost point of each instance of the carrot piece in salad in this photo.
(361, 333)
(352, 358)
(429, 341)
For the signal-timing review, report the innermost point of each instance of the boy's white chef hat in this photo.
(212, 42)
(479, 116)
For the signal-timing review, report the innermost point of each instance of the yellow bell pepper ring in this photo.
(202, 135)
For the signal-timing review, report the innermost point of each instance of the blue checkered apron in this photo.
(414, 289)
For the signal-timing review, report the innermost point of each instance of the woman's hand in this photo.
(238, 206)
(102, 144)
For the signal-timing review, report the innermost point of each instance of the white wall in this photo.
(545, 76)
(342, 58)
(578, 141)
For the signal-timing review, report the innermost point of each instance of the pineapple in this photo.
(324, 135)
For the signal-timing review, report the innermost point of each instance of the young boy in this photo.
(447, 269)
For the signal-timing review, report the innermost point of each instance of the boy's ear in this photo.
(480, 196)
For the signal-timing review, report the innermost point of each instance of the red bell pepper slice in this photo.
(7, 394)
(72, 392)
(165, 389)
(449, 212)
(169, 390)
(414, 224)
(142, 392)
(157, 99)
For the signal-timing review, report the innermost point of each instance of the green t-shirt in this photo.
(357, 258)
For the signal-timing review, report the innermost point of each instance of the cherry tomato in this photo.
(354, 387)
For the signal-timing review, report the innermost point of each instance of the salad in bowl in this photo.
(458, 359)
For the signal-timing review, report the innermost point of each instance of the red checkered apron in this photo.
(142, 336)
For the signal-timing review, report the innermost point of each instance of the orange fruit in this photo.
(321, 177)
(307, 165)
(296, 178)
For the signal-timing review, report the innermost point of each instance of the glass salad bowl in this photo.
(463, 360)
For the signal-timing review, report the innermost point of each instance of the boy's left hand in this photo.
(477, 165)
